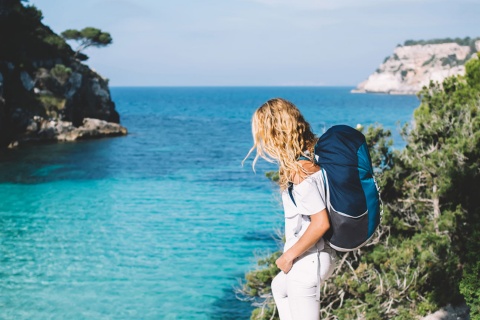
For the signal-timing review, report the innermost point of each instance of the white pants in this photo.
(295, 292)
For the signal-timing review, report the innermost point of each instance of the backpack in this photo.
(353, 201)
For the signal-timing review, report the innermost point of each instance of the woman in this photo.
(281, 135)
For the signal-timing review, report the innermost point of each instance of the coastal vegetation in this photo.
(467, 41)
(87, 37)
(24, 36)
(425, 253)
(44, 86)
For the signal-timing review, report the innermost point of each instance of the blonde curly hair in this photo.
(281, 135)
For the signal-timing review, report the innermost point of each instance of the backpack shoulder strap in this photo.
(290, 193)
(325, 189)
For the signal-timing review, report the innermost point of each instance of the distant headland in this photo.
(415, 63)
(46, 92)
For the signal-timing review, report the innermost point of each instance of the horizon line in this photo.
(232, 86)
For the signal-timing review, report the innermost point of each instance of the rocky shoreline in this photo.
(44, 130)
(46, 92)
(411, 67)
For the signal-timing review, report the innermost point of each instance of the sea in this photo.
(165, 222)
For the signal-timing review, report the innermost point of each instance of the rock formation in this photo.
(415, 64)
(46, 93)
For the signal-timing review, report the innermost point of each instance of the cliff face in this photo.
(42, 86)
(413, 66)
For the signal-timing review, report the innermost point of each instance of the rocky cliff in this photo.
(415, 64)
(46, 93)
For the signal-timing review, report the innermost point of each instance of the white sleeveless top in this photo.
(309, 196)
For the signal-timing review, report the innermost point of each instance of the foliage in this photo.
(87, 37)
(258, 287)
(378, 140)
(429, 61)
(53, 105)
(55, 41)
(460, 41)
(61, 73)
(272, 175)
(428, 238)
(25, 38)
(470, 288)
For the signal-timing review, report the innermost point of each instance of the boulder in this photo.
(27, 81)
(40, 129)
(93, 128)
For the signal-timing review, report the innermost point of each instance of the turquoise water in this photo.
(162, 223)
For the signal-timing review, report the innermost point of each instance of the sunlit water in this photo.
(162, 223)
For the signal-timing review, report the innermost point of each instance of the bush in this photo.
(470, 288)
(61, 73)
(52, 105)
(25, 38)
(460, 41)
(257, 287)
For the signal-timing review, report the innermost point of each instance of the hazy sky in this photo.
(255, 42)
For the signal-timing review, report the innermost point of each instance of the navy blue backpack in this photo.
(352, 192)
(353, 201)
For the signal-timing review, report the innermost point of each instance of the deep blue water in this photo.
(162, 223)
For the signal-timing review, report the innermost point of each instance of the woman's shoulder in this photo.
(309, 169)
(312, 180)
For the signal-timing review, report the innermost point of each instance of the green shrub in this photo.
(461, 41)
(52, 105)
(272, 175)
(470, 288)
(257, 287)
(55, 41)
(61, 73)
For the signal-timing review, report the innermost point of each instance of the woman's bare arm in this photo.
(319, 224)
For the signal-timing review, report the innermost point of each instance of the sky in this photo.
(254, 42)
